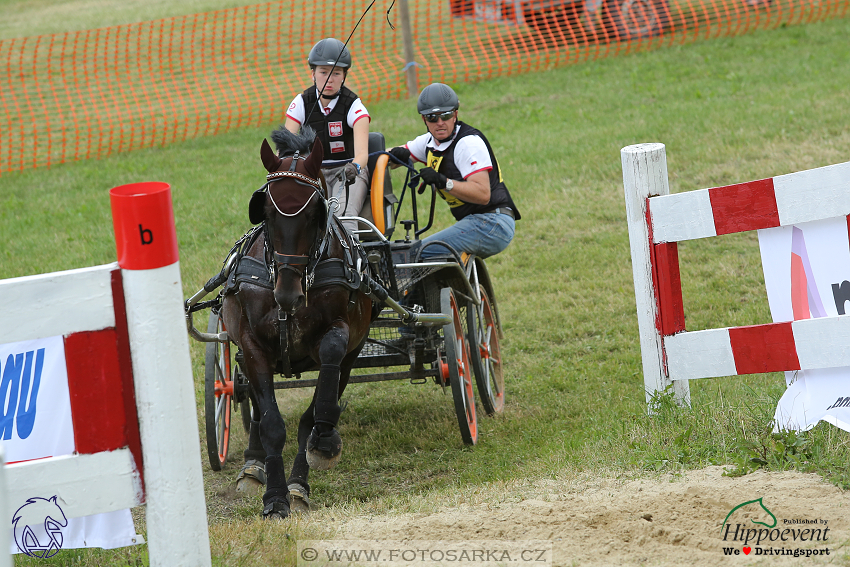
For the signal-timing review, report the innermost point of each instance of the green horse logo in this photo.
(763, 507)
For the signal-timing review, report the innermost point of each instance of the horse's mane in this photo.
(288, 143)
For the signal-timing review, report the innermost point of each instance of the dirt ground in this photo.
(674, 520)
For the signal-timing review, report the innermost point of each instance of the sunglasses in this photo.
(445, 116)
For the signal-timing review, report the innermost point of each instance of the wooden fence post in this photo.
(644, 176)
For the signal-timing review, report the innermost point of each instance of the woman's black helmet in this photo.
(437, 98)
(329, 51)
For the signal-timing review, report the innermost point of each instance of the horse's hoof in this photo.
(252, 477)
(323, 449)
(276, 511)
(299, 501)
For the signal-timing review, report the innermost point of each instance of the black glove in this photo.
(431, 177)
(401, 153)
(351, 170)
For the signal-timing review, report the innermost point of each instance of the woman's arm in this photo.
(361, 141)
(292, 125)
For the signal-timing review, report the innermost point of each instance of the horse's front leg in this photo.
(272, 432)
(299, 488)
(324, 444)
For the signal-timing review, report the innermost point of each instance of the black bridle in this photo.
(305, 263)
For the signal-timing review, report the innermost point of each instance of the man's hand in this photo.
(351, 171)
(400, 153)
(431, 177)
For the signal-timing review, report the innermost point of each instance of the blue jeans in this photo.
(483, 235)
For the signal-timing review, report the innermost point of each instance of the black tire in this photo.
(218, 396)
(486, 354)
(635, 19)
(459, 368)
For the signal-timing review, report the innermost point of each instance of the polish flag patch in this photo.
(337, 147)
(473, 163)
(335, 129)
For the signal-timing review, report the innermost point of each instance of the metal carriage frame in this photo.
(450, 296)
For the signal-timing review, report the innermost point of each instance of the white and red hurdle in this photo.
(130, 382)
(657, 221)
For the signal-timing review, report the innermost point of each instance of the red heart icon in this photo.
(747, 550)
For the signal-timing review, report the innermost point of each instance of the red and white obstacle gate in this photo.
(658, 221)
(130, 381)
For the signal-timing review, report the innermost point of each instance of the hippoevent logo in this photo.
(37, 526)
(774, 537)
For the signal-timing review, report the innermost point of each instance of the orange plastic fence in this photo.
(87, 94)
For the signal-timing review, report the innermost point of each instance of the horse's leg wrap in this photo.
(276, 498)
(327, 398)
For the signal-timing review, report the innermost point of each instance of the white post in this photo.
(143, 219)
(5, 532)
(644, 176)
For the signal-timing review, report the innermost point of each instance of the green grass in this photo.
(23, 18)
(729, 110)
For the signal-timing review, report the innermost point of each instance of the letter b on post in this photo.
(143, 219)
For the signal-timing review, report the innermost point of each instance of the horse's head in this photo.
(294, 208)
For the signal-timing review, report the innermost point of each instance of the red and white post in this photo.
(658, 221)
(146, 240)
(659, 306)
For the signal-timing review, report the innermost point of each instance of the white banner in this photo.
(35, 423)
(807, 275)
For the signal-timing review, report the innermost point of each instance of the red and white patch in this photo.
(358, 111)
(337, 147)
(473, 163)
(335, 129)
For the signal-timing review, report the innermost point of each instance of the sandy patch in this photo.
(672, 521)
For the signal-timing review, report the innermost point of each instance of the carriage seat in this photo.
(378, 209)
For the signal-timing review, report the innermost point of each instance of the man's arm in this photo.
(474, 189)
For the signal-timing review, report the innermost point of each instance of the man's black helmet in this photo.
(436, 98)
(329, 51)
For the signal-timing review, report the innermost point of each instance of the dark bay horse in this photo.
(314, 318)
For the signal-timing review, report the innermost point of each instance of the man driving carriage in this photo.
(461, 166)
(337, 115)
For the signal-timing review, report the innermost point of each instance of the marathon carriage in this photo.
(439, 322)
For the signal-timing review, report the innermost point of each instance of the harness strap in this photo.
(283, 323)
(285, 259)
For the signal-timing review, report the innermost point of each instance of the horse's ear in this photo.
(270, 160)
(257, 207)
(314, 160)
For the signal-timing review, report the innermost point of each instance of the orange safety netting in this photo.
(88, 94)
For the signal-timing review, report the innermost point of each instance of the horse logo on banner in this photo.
(38, 527)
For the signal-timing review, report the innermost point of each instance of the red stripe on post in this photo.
(97, 391)
(125, 363)
(745, 206)
(666, 284)
(764, 348)
(143, 220)
(665, 262)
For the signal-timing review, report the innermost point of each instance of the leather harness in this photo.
(315, 272)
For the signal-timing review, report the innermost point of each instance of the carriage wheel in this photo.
(218, 395)
(485, 354)
(458, 368)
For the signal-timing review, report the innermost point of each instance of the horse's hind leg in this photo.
(252, 477)
(299, 488)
